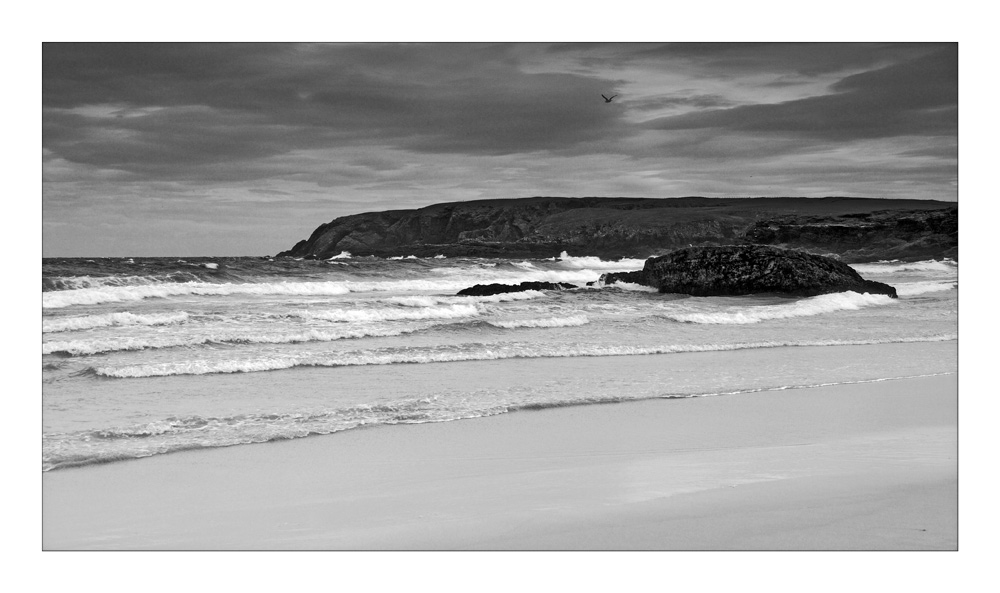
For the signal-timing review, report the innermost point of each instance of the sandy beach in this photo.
(869, 466)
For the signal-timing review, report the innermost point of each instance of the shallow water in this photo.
(152, 355)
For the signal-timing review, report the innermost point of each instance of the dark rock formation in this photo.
(856, 229)
(490, 289)
(879, 235)
(748, 269)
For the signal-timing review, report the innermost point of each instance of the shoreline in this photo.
(851, 466)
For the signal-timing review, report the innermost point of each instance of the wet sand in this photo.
(869, 466)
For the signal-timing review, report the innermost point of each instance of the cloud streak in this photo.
(917, 97)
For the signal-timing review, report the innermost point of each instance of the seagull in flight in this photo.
(608, 99)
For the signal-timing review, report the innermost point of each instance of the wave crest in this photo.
(461, 352)
(369, 315)
(58, 283)
(590, 262)
(827, 303)
(915, 288)
(100, 346)
(575, 320)
(111, 319)
(896, 266)
(94, 296)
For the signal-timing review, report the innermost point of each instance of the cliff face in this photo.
(856, 229)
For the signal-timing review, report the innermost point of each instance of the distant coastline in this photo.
(850, 228)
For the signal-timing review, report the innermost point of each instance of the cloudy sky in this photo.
(229, 149)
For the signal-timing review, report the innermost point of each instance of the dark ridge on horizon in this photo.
(657, 202)
(853, 228)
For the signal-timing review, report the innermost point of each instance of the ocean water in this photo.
(147, 356)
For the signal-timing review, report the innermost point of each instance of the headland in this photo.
(853, 229)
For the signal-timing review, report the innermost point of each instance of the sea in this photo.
(148, 356)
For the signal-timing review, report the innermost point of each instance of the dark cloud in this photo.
(225, 102)
(805, 59)
(168, 138)
(695, 101)
(221, 103)
(160, 74)
(252, 133)
(916, 97)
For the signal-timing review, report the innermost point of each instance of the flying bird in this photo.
(608, 99)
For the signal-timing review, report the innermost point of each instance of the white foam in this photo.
(547, 322)
(827, 303)
(110, 319)
(426, 312)
(95, 346)
(418, 301)
(120, 344)
(595, 263)
(524, 295)
(915, 288)
(342, 255)
(78, 282)
(90, 296)
(633, 286)
(464, 352)
(429, 301)
(93, 296)
(198, 367)
(896, 266)
(211, 266)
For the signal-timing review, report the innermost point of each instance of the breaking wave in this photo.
(547, 322)
(632, 286)
(430, 301)
(596, 263)
(915, 288)
(93, 296)
(827, 303)
(58, 283)
(108, 294)
(120, 344)
(357, 315)
(110, 319)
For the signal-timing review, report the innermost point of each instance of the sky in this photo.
(186, 149)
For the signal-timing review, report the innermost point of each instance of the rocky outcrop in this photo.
(748, 269)
(491, 289)
(855, 229)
